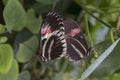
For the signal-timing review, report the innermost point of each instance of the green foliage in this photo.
(111, 62)
(114, 77)
(103, 66)
(2, 29)
(12, 74)
(31, 22)
(6, 58)
(20, 22)
(27, 50)
(25, 75)
(3, 39)
(14, 15)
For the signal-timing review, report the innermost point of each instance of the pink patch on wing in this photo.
(74, 31)
(46, 30)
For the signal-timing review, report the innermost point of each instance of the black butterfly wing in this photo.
(52, 42)
(53, 21)
(77, 47)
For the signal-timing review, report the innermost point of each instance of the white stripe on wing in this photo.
(78, 51)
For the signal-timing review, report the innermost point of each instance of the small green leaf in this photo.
(14, 15)
(12, 74)
(6, 57)
(24, 76)
(27, 50)
(2, 28)
(3, 39)
(31, 22)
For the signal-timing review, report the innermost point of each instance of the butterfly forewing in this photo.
(51, 22)
(77, 47)
(52, 43)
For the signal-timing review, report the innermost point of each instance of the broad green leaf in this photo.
(6, 57)
(31, 22)
(27, 50)
(2, 28)
(3, 39)
(25, 75)
(14, 15)
(98, 61)
(12, 74)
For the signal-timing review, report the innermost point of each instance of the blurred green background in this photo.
(20, 22)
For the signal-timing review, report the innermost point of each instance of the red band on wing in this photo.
(46, 30)
(75, 31)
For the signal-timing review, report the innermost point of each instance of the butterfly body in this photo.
(62, 38)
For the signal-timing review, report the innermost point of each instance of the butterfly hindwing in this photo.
(52, 42)
(77, 47)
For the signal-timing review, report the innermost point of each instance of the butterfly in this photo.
(60, 38)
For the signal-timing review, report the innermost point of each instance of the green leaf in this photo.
(12, 73)
(2, 28)
(31, 22)
(3, 39)
(6, 57)
(27, 50)
(24, 76)
(14, 15)
(98, 61)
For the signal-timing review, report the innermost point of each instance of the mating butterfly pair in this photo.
(61, 38)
